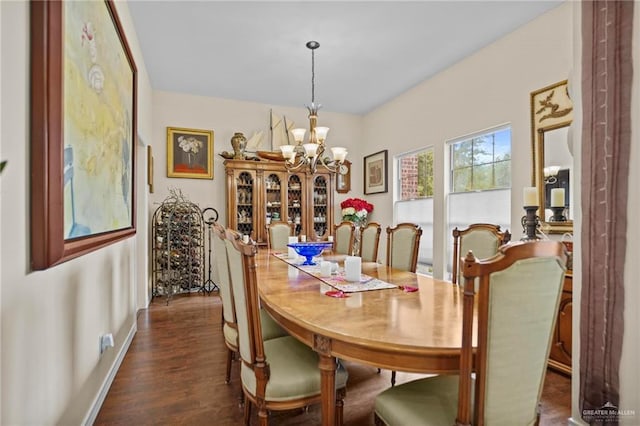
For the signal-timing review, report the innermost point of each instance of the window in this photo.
(416, 174)
(414, 199)
(482, 162)
(480, 176)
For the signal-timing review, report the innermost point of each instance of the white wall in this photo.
(486, 89)
(225, 117)
(51, 370)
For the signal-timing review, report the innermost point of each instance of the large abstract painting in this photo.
(82, 132)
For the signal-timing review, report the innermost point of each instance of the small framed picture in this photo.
(189, 153)
(375, 173)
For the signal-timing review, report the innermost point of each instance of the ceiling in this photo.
(370, 51)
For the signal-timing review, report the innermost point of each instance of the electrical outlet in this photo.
(106, 341)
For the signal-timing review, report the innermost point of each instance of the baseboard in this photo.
(576, 422)
(95, 409)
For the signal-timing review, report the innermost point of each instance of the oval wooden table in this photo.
(417, 332)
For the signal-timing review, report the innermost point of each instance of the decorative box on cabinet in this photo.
(560, 354)
(261, 191)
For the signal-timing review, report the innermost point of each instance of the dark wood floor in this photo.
(173, 374)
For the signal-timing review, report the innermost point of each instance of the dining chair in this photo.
(483, 239)
(278, 234)
(403, 242)
(277, 374)
(502, 374)
(271, 329)
(369, 239)
(344, 234)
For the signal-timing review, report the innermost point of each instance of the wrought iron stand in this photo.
(210, 219)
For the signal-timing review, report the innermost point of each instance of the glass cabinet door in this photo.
(320, 207)
(294, 203)
(273, 198)
(245, 202)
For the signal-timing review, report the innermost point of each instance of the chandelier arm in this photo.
(332, 168)
(292, 166)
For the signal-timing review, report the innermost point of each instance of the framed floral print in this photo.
(189, 153)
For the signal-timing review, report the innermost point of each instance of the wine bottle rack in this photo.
(177, 247)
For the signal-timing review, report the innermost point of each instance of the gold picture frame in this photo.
(189, 153)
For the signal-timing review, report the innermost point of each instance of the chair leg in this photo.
(393, 378)
(340, 406)
(376, 420)
(263, 415)
(247, 411)
(229, 359)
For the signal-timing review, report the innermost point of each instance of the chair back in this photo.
(369, 239)
(344, 234)
(403, 242)
(224, 282)
(278, 234)
(241, 259)
(483, 239)
(518, 296)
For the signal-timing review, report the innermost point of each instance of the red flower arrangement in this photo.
(355, 209)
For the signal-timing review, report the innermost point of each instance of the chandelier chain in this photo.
(313, 77)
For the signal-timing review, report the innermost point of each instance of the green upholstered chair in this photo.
(369, 239)
(344, 234)
(278, 234)
(518, 294)
(483, 239)
(271, 329)
(277, 374)
(403, 242)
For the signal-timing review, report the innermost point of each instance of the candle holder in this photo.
(530, 224)
(558, 214)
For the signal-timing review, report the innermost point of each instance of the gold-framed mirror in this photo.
(552, 172)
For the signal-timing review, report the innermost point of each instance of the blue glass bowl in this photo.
(310, 250)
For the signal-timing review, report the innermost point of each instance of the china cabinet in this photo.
(259, 192)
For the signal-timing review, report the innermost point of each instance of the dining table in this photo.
(414, 326)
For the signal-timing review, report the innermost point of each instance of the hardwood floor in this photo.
(173, 374)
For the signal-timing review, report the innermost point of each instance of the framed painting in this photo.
(189, 153)
(375, 173)
(83, 127)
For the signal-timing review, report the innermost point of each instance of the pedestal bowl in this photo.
(310, 250)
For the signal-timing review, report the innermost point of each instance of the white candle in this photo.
(245, 239)
(291, 253)
(330, 238)
(530, 196)
(352, 268)
(325, 269)
(303, 238)
(557, 197)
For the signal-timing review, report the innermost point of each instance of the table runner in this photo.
(337, 280)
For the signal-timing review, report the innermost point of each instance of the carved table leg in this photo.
(327, 365)
(328, 389)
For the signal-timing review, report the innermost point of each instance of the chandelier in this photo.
(307, 156)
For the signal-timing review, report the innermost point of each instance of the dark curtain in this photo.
(606, 138)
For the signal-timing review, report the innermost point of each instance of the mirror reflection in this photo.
(557, 175)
